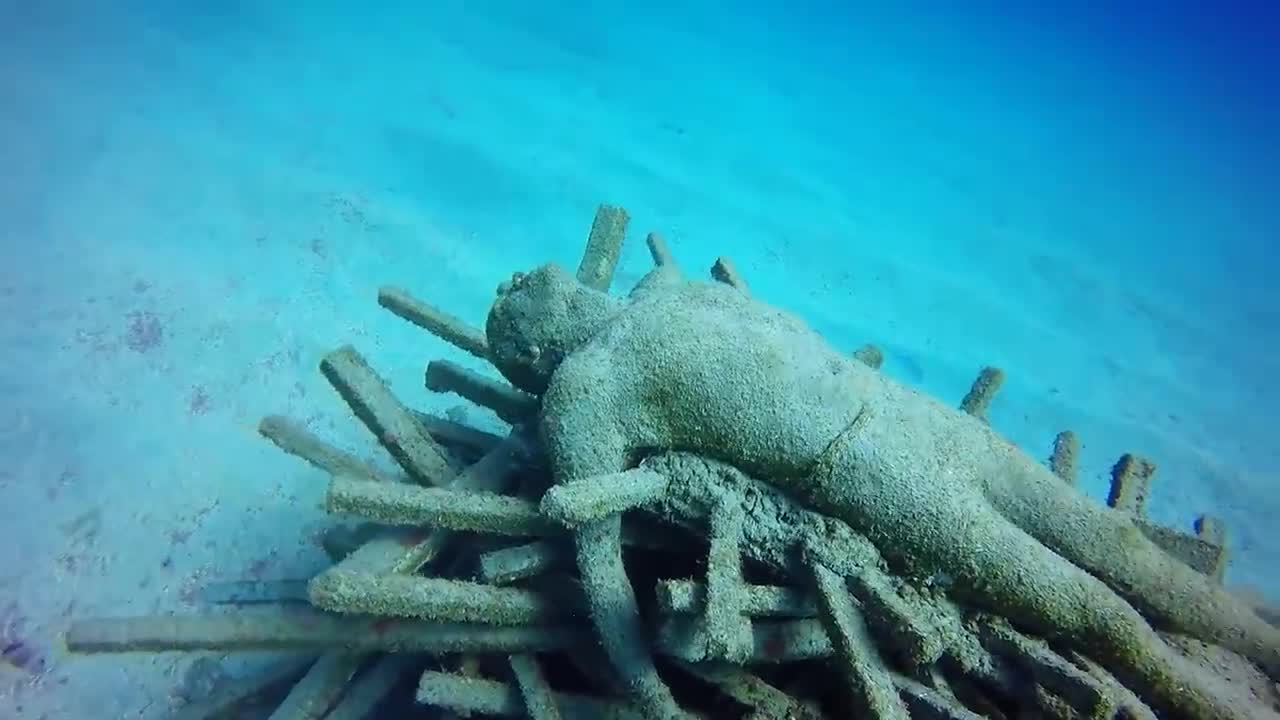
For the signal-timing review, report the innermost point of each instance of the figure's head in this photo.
(538, 318)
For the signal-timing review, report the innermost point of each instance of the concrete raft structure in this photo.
(763, 607)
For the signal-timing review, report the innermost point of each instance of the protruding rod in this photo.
(764, 601)
(724, 271)
(437, 507)
(234, 699)
(1130, 484)
(1066, 447)
(742, 686)
(799, 640)
(369, 690)
(435, 321)
(1201, 555)
(869, 681)
(405, 550)
(341, 540)
(296, 440)
(320, 688)
(1128, 705)
(307, 629)
(604, 246)
(978, 400)
(1055, 673)
(540, 557)
(459, 438)
(904, 628)
(375, 579)
(492, 473)
(539, 702)
(478, 696)
(395, 426)
(781, 641)
(391, 550)
(728, 628)
(508, 565)
(659, 251)
(1213, 530)
(929, 704)
(897, 623)
(507, 402)
(439, 599)
(870, 355)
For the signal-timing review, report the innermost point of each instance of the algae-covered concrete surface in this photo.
(196, 207)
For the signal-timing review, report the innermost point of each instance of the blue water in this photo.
(198, 203)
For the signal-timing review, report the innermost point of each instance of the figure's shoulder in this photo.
(682, 297)
(587, 367)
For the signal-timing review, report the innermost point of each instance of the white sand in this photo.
(244, 182)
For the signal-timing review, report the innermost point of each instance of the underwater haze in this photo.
(199, 200)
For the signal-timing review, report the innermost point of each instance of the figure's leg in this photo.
(1107, 544)
(870, 684)
(1020, 578)
(584, 450)
(612, 604)
(727, 627)
(997, 566)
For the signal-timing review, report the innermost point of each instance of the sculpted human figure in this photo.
(702, 367)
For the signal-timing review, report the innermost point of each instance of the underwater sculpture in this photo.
(704, 368)
(946, 574)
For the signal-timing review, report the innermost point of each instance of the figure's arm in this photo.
(586, 443)
(581, 428)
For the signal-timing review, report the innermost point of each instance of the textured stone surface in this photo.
(703, 367)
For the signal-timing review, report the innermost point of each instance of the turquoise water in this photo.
(197, 204)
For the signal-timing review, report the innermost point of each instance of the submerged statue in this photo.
(869, 551)
(702, 368)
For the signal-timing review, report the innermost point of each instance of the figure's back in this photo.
(732, 377)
